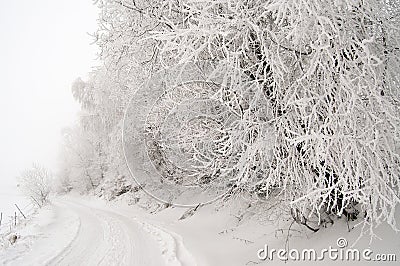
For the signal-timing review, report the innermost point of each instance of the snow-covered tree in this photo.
(36, 182)
(80, 164)
(91, 149)
(315, 86)
(310, 93)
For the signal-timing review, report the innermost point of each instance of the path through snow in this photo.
(72, 232)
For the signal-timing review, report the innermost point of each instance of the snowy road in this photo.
(107, 238)
(74, 233)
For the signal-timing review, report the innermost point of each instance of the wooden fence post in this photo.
(36, 201)
(20, 211)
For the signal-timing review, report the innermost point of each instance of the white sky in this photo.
(44, 46)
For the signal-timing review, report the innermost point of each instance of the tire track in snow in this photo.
(90, 231)
(123, 241)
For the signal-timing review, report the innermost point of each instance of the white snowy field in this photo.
(77, 230)
(8, 197)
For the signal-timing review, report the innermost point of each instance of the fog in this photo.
(44, 46)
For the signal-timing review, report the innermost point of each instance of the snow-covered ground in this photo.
(71, 231)
(76, 230)
(8, 199)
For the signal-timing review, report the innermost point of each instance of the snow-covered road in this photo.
(74, 232)
(106, 238)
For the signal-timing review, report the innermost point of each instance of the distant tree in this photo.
(93, 144)
(36, 182)
(80, 166)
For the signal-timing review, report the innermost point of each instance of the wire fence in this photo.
(9, 221)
